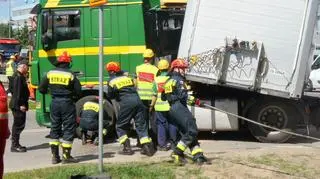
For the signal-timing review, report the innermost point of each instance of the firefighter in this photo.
(64, 87)
(175, 91)
(89, 121)
(121, 88)
(146, 73)
(166, 131)
(11, 67)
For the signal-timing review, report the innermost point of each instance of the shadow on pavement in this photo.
(37, 147)
(93, 157)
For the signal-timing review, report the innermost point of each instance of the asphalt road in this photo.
(39, 156)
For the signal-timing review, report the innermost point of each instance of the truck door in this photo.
(110, 36)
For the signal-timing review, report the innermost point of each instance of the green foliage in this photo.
(21, 34)
(4, 30)
(32, 105)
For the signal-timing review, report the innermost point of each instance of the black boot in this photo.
(126, 148)
(16, 147)
(22, 146)
(138, 144)
(178, 157)
(55, 154)
(200, 159)
(148, 149)
(83, 138)
(67, 158)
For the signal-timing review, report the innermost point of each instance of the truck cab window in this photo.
(66, 25)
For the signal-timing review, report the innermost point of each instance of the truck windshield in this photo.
(10, 47)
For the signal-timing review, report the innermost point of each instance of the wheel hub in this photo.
(273, 116)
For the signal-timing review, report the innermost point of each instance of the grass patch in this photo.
(290, 167)
(32, 105)
(162, 170)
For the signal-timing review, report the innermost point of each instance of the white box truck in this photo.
(251, 58)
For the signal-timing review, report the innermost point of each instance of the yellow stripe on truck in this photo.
(82, 83)
(79, 51)
(52, 3)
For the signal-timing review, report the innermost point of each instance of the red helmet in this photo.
(112, 66)
(179, 63)
(64, 58)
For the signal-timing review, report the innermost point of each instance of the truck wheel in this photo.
(276, 114)
(109, 113)
(308, 86)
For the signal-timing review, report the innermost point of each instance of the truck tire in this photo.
(276, 114)
(109, 113)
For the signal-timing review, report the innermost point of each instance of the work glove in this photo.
(191, 100)
(104, 132)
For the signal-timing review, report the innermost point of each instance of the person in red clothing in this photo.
(4, 128)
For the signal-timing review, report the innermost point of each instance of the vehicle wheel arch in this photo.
(287, 110)
(109, 108)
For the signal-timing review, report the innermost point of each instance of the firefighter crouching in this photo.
(146, 73)
(89, 121)
(64, 86)
(175, 91)
(121, 88)
(166, 131)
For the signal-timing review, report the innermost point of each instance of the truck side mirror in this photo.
(45, 39)
(47, 36)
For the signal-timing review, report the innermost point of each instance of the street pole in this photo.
(9, 23)
(101, 89)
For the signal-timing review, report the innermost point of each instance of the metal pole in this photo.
(9, 23)
(100, 88)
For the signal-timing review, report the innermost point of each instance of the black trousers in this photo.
(89, 124)
(131, 107)
(182, 118)
(63, 119)
(151, 122)
(19, 123)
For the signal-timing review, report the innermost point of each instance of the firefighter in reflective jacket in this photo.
(64, 86)
(175, 91)
(166, 131)
(89, 121)
(121, 88)
(146, 73)
(11, 66)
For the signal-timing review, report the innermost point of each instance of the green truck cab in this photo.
(130, 26)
